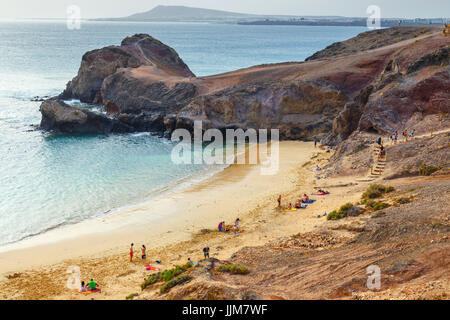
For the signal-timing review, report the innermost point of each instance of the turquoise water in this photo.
(50, 180)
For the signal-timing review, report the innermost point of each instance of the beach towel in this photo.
(88, 292)
(151, 268)
(293, 209)
(308, 201)
(320, 194)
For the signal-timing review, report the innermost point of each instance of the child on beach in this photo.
(131, 252)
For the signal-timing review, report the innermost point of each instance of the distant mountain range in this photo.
(190, 14)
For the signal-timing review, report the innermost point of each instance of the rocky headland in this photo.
(371, 85)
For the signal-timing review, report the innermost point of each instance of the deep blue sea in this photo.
(49, 180)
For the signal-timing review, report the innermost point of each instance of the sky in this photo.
(17, 9)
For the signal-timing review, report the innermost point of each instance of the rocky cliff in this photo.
(144, 85)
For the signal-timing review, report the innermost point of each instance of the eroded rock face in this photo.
(420, 94)
(132, 95)
(299, 109)
(135, 51)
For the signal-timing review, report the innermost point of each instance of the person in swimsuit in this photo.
(144, 252)
(131, 252)
(279, 201)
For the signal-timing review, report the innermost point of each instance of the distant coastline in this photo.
(190, 14)
(332, 23)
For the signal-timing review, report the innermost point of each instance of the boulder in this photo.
(135, 51)
(60, 117)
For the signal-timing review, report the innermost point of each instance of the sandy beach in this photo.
(173, 228)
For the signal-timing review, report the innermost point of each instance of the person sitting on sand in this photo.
(298, 204)
(144, 252)
(289, 207)
(220, 226)
(305, 198)
(131, 251)
(83, 287)
(93, 286)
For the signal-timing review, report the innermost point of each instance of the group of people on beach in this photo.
(143, 252)
(222, 227)
(301, 202)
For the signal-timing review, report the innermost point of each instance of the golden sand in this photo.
(173, 228)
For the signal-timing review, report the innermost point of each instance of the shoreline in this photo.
(98, 235)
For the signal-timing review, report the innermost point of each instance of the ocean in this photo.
(49, 180)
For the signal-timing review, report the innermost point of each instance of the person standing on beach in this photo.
(315, 142)
(131, 252)
(144, 252)
(279, 201)
(206, 252)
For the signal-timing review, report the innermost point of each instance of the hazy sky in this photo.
(11, 9)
